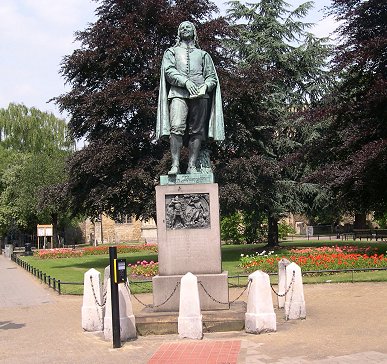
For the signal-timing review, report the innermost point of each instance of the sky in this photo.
(36, 34)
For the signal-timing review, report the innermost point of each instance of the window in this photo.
(123, 219)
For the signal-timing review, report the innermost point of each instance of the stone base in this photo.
(149, 322)
(184, 179)
(216, 286)
(295, 310)
(127, 328)
(260, 323)
(190, 327)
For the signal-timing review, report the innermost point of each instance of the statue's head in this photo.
(187, 30)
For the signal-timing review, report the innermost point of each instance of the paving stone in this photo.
(346, 323)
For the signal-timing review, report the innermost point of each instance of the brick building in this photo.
(123, 229)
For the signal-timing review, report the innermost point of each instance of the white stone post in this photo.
(294, 299)
(190, 318)
(92, 313)
(106, 276)
(127, 319)
(282, 283)
(260, 316)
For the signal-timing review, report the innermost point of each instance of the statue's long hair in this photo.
(178, 39)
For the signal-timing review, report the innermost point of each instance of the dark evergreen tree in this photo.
(351, 157)
(279, 74)
(114, 79)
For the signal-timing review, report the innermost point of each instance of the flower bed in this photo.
(314, 259)
(144, 269)
(98, 250)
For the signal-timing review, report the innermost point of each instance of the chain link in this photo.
(290, 301)
(100, 317)
(152, 306)
(95, 297)
(225, 303)
(288, 289)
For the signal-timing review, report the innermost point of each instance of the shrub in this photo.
(310, 259)
(97, 250)
(144, 268)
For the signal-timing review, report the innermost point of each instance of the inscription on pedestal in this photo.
(187, 211)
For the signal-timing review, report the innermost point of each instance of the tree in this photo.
(114, 80)
(351, 156)
(33, 149)
(279, 74)
(29, 130)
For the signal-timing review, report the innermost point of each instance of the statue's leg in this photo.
(197, 130)
(194, 148)
(176, 143)
(178, 111)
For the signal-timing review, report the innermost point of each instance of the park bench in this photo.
(380, 234)
(362, 233)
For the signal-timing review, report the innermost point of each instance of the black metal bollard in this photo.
(27, 249)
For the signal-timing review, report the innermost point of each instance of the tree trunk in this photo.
(54, 221)
(272, 236)
(360, 221)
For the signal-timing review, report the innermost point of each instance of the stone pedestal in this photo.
(216, 286)
(260, 316)
(188, 230)
(294, 300)
(190, 318)
(92, 313)
(282, 284)
(127, 319)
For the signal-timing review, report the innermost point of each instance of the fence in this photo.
(52, 282)
(57, 284)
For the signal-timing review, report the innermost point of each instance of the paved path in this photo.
(346, 323)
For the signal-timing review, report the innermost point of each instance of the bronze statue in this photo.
(190, 101)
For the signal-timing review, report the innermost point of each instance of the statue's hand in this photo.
(191, 87)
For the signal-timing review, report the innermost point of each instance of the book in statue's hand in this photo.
(201, 92)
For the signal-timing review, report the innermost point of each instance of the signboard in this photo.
(44, 230)
(309, 230)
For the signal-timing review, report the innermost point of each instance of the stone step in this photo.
(149, 322)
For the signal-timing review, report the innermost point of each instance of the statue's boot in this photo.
(194, 149)
(176, 142)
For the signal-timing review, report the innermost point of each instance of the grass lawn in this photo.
(73, 269)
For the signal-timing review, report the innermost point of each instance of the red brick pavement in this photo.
(210, 352)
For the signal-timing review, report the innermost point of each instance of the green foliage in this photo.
(280, 73)
(381, 219)
(285, 230)
(30, 130)
(232, 228)
(242, 227)
(350, 157)
(33, 148)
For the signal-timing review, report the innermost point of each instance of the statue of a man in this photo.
(190, 102)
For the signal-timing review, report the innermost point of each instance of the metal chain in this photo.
(153, 306)
(288, 289)
(225, 303)
(100, 316)
(290, 303)
(95, 297)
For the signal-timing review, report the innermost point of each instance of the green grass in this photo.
(73, 269)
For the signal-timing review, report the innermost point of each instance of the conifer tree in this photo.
(351, 156)
(280, 73)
